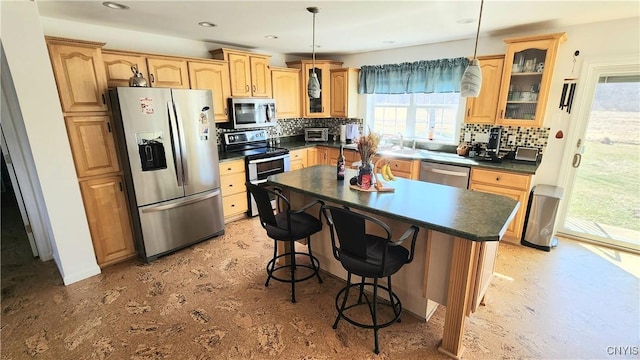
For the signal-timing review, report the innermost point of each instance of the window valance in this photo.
(426, 76)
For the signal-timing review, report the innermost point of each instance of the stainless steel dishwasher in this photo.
(451, 175)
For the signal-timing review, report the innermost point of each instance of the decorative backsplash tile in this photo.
(295, 126)
(512, 136)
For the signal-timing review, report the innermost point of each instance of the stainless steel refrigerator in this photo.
(167, 144)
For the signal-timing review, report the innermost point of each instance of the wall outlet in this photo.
(467, 136)
(511, 139)
(482, 137)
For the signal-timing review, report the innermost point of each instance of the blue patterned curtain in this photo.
(427, 76)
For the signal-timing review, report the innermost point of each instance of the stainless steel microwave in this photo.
(246, 113)
(316, 134)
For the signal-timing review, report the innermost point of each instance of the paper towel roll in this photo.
(343, 133)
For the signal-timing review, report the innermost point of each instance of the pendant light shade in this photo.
(313, 87)
(471, 82)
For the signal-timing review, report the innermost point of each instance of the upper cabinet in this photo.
(79, 73)
(168, 72)
(249, 73)
(118, 66)
(344, 92)
(529, 63)
(483, 109)
(320, 107)
(212, 75)
(285, 83)
(160, 71)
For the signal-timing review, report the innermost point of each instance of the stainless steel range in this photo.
(261, 160)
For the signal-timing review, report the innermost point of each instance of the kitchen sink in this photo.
(399, 151)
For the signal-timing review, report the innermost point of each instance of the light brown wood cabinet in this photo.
(160, 71)
(484, 108)
(79, 73)
(404, 168)
(249, 73)
(168, 72)
(526, 79)
(285, 83)
(515, 186)
(486, 261)
(298, 159)
(118, 67)
(92, 145)
(234, 191)
(322, 157)
(106, 206)
(82, 82)
(312, 156)
(212, 75)
(344, 92)
(316, 108)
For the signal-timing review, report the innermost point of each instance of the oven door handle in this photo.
(258, 182)
(273, 158)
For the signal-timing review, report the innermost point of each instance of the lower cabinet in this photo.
(408, 169)
(109, 222)
(515, 186)
(234, 191)
(322, 155)
(298, 159)
(312, 156)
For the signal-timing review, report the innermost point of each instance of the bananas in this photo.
(386, 172)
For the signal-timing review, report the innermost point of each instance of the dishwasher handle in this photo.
(447, 172)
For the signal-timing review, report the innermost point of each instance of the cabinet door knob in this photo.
(498, 178)
(247, 87)
(501, 111)
(468, 112)
(104, 100)
(153, 79)
(254, 88)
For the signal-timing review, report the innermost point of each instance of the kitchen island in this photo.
(455, 252)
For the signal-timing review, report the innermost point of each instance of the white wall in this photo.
(611, 39)
(28, 60)
(139, 41)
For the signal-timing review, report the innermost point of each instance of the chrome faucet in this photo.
(401, 140)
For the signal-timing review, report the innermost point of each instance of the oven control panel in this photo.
(242, 137)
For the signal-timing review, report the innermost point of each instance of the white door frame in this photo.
(16, 142)
(591, 73)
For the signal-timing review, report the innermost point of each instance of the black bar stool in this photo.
(367, 256)
(287, 225)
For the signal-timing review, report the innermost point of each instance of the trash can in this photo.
(541, 216)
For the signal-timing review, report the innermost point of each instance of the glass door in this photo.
(603, 186)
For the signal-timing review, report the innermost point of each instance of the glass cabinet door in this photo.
(526, 79)
(315, 105)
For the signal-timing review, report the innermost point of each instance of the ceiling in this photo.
(342, 27)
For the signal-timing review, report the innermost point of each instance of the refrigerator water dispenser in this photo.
(151, 151)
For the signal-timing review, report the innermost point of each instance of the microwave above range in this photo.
(246, 113)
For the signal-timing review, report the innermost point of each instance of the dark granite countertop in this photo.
(419, 154)
(450, 210)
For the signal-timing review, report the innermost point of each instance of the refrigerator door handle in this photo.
(177, 155)
(183, 145)
(180, 203)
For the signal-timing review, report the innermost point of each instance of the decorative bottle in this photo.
(340, 167)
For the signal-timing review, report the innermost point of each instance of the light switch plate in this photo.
(467, 136)
(511, 139)
(482, 137)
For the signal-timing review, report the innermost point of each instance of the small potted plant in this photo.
(367, 146)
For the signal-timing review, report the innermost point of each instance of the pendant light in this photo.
(472, 78)
(313, 87)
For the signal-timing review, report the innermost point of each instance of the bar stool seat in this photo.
(287, 226)
(368, 256)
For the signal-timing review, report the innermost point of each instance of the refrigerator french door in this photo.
(168, 148)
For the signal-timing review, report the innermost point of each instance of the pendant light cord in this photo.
(313, 50)
(475, 50)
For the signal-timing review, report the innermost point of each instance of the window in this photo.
(416, 116)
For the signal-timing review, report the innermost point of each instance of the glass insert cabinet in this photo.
(526, 78)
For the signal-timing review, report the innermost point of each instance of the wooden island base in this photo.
(447, 269)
